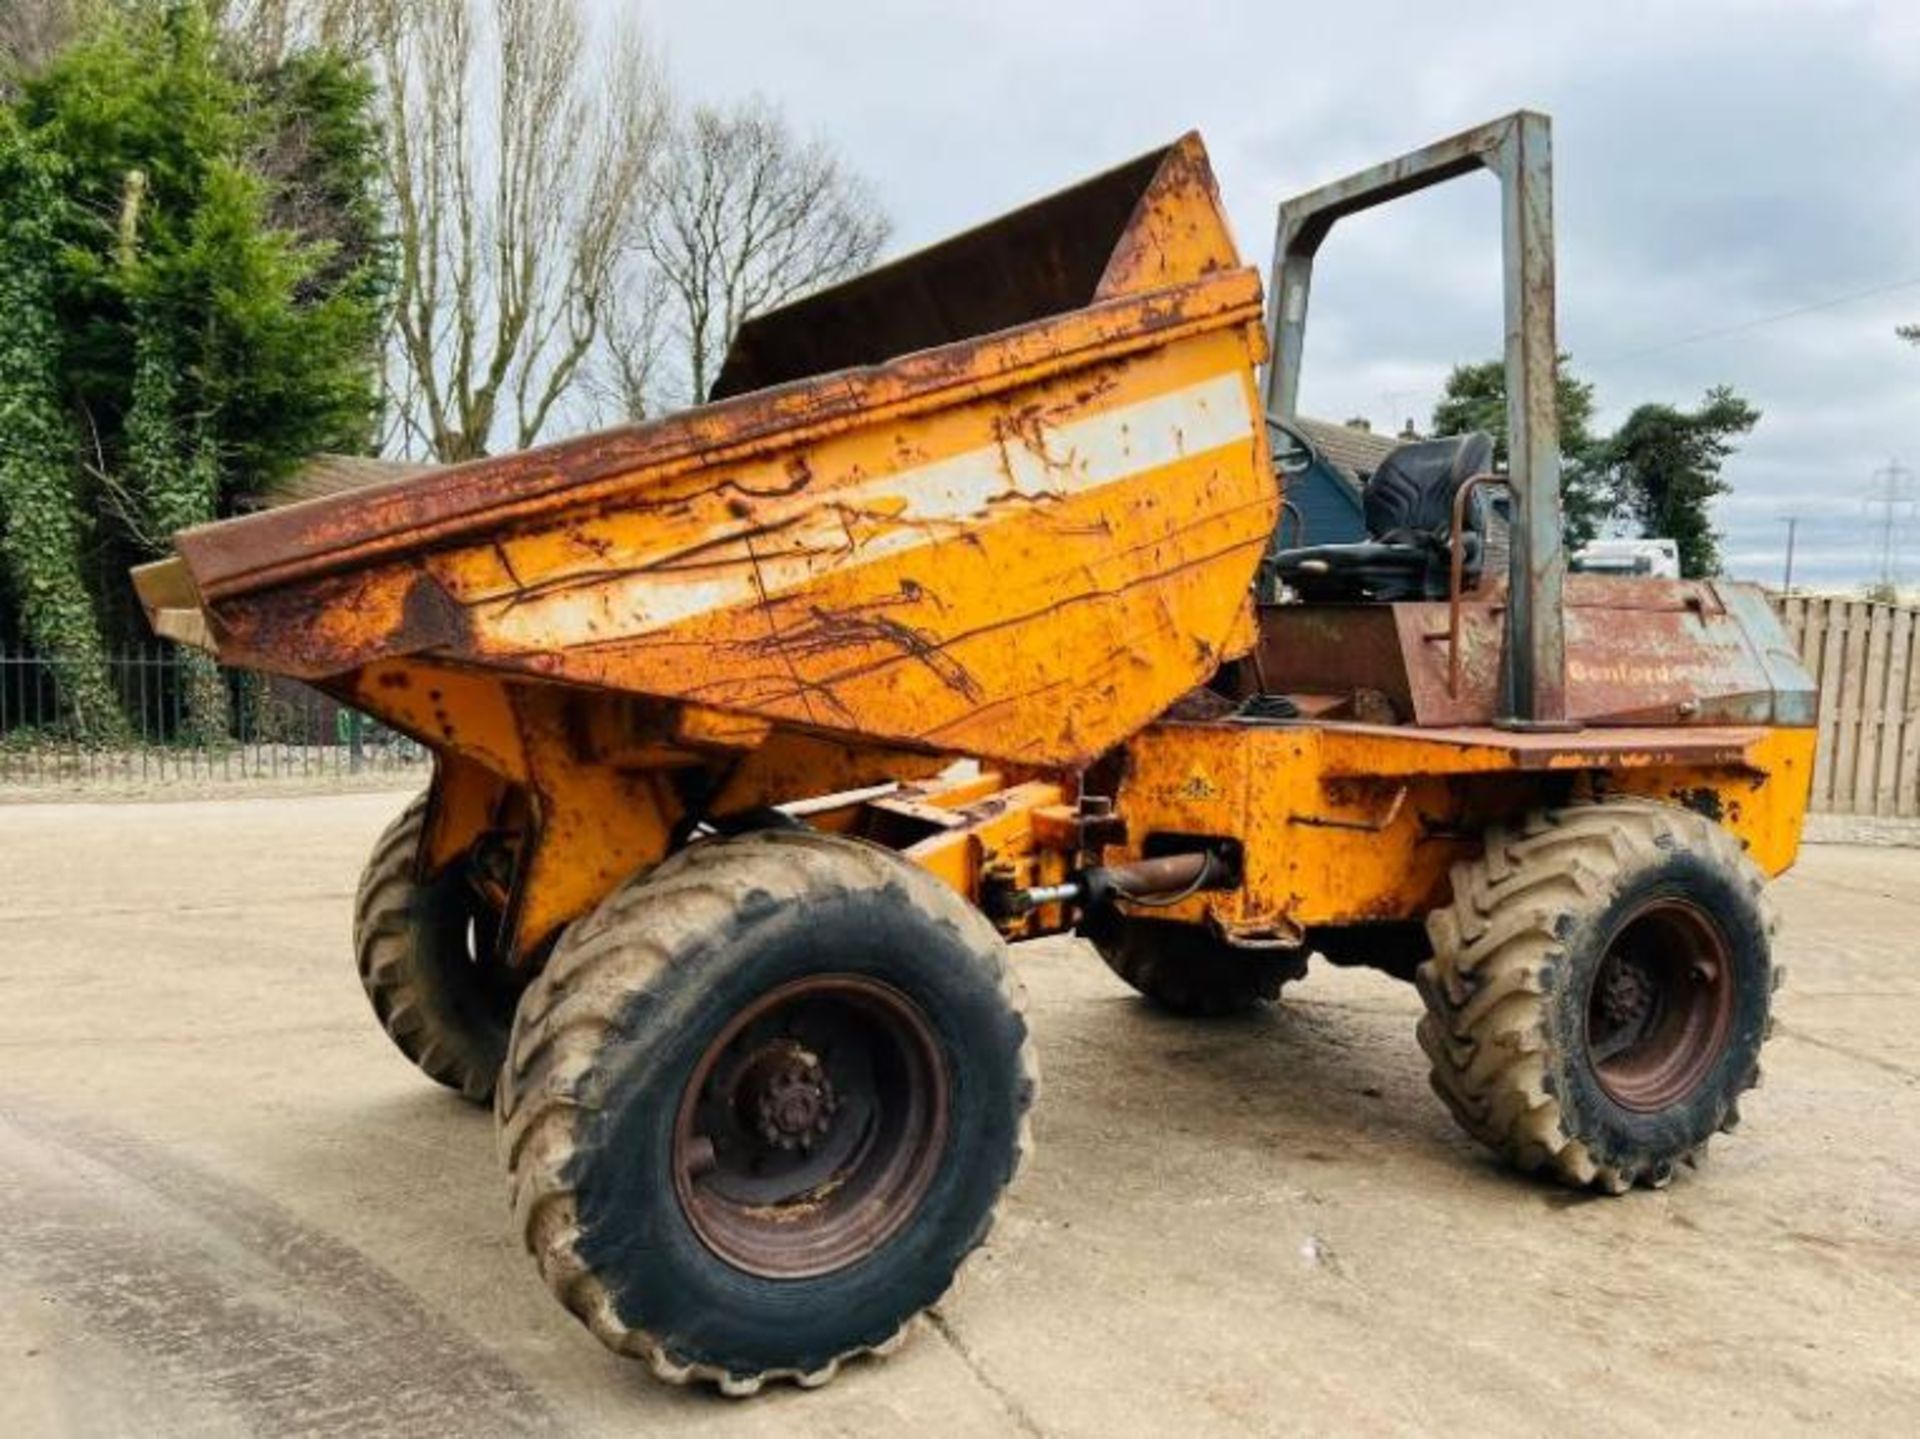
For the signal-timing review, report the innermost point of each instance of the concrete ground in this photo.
(227, 1206)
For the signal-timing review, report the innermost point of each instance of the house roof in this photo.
(331, 475)
(1356, 454)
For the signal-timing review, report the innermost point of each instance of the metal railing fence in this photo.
(1865, 656)
(186, 721)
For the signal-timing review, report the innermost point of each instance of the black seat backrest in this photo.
(1408, 505)
(1410, 497)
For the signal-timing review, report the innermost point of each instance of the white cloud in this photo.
(1718, 162)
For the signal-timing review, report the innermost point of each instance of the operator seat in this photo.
(1408, 508)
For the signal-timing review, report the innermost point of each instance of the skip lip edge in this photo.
(172, 602)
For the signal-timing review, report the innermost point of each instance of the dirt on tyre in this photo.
(761, 1104)
(1599, 992)
(1185, 970)
(425, 955)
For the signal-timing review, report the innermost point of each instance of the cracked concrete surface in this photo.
(228, 1207)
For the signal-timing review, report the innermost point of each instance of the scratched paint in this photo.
(781, 544)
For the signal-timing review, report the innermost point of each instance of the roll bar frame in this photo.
(1518, 149)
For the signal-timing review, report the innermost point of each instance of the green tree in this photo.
(1665, 465)
(42, 525)
(168, 491)
(265, 289)
(220, 277)
(1475, 398)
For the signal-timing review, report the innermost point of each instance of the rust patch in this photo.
(1703, 801)
(430, 618)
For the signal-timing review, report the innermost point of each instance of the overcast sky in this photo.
(1719, 162)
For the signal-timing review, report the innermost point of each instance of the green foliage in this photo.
(1662, 470)
(165, 490)
(1665, 464)
(1476, 399)
(42, 526)
(280, 369)
(321, 160)
(264, 288)
(173, 482)
(206, 300)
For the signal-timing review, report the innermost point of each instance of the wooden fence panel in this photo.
(1836, 750)
(1907, 781)
(1858, 620)
(1873, 699)
(1866, 659)
(1886, 786)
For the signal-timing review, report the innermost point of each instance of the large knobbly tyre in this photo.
(1599, 991)
(424, 955)
(761, 1104)
(1185, 970)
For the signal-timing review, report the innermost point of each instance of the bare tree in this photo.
(267, 31)
(743, 217)
(32, 32)
(516, 167)
(626, 379)
(553, 229)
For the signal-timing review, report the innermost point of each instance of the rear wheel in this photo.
(1185, 970)
(425, 950)
(760, 1105)
(1599, 991)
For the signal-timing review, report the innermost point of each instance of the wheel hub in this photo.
(811, 1127)
(1626, 994)
(790, 1096)
(1660, 1013)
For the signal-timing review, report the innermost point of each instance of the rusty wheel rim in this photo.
(811, 1127)
(1660, 1010)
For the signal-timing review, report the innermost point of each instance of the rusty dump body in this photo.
(1003, 500)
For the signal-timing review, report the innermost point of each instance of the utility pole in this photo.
(1792, 522)
(1892, 492)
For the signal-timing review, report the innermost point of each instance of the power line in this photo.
(1699, 336)
(1754, 324)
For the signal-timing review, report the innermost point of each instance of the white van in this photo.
(1657, 558)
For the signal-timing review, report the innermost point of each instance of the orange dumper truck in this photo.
(958, 617)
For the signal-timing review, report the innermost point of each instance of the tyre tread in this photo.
(1486, 987)
(580, 1000)
(384, 933)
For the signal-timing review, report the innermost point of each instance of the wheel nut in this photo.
(795, 1103)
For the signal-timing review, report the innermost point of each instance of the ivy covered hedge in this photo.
(42, 523)
(192, 291)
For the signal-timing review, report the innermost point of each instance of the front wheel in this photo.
(760, 1105)
(1599, 991)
